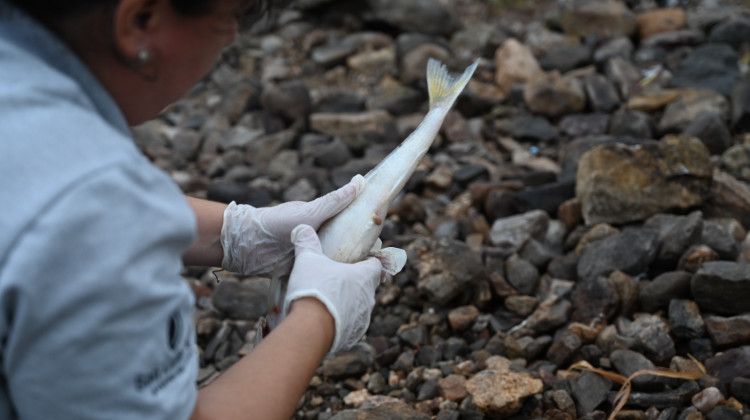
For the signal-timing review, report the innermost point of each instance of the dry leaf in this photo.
(624, 393)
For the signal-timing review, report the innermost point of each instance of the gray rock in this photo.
(715, 236)
(731, 364)
(633, 123)
(712, 130)
(685, 319)
(658, 293)
(589, 390)
(523, 275)
(594, 299)
(528, 127)
(446, 267)
(679, 113)
(676, 235)
(579, 125)
(722, 287)
(601, 93)
(709, 66)
(630, 251)
(246, 300)
(627, 362)
(652, 335)
(513, 232)
(566, 57)
(424, 16)
(733, 32)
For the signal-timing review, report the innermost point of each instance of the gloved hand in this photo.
(347, 290)
(256, 240)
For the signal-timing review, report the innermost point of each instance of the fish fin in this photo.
(444, 88)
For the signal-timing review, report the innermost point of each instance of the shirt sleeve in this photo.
(98, 318)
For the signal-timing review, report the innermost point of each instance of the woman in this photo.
(95, 320)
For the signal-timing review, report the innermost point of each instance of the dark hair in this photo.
(49, 11)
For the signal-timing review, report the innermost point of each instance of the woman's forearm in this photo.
(268, 383)
(206, 250)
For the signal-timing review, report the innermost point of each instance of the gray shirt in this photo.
(95, 319)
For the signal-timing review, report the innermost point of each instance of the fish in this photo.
(353, 234)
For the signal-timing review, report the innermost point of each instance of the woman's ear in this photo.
(134, 23)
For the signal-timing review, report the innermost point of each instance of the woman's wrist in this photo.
(314, 311)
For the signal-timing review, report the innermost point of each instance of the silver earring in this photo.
(143, 55)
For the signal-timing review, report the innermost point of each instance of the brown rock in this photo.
(730, 331)
(652, 100)
(555, 95)
(515, 64)
(499, 394)
(656, 21)
(603, 18)
(462, 317)
(453, 388)
(619, 184)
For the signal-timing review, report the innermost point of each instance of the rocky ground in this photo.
(582, 216)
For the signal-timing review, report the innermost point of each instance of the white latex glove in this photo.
(347, 290)
(256, 240)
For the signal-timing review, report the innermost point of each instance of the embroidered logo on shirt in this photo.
(180, 349)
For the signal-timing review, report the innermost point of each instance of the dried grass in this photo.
(626, 382)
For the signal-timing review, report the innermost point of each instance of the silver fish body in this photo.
(352, 235)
